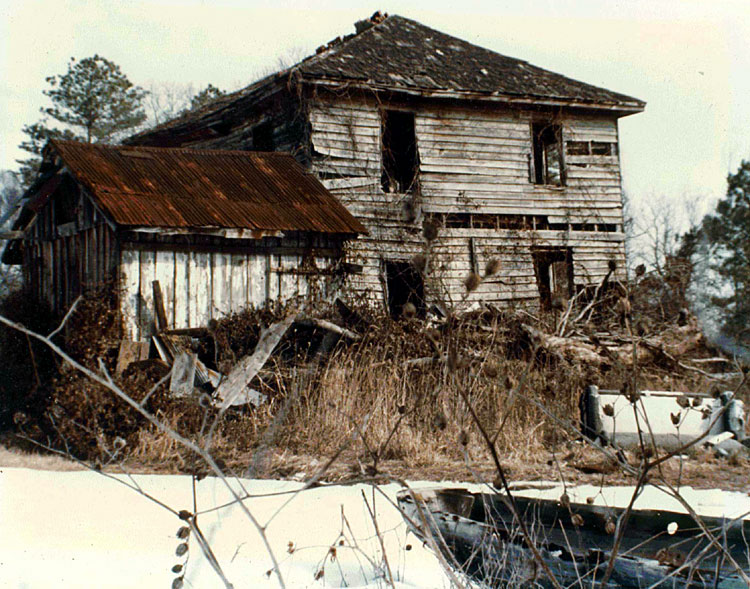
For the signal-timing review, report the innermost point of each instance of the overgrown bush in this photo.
(27, 365)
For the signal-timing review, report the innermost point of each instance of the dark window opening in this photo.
(553, 268)
(65, 202)
(578, 147)
(405, 285)
(547, 154)
(602, 148)
(263, 137)
(400, 157)
(492, 221)
(221, 128)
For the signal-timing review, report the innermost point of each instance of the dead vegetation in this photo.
(377, 393)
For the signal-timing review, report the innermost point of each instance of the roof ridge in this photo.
(230, 152)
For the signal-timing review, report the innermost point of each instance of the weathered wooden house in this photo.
(419, 132)
(219, 230)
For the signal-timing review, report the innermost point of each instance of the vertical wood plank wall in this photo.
(206, 284)
(61, 261)
(470, 161)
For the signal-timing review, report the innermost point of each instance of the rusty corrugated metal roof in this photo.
(169, 187)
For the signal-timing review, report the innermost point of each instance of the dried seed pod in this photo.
(705, 413)
(431, 229)
(319, 574)
(401, 409)
(640, 270)
(589, 500)
(419, 262)
(697, 401)
(290, 547)
(463, 438)
(565, 500)
(608, 410)
(408, 310)
(683, 401)
(181, 549)
(675, 417)
(610, 527)
(178, 583)
(472, 281)
(177, 568)
(490, 370)
(184, 515)
(183, 532)
(493, 267)
(407, 547)
(577, 520)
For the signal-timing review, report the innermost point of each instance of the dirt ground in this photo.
(580, 465)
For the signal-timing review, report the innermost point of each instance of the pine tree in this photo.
(93, 100)
(727, 233)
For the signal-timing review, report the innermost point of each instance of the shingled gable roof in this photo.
(185, 188)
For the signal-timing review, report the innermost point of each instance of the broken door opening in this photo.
(404, 285)
(400, 158)
(553, 268)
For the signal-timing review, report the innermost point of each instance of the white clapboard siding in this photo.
(471, 161)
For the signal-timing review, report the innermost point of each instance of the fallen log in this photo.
(328, 326)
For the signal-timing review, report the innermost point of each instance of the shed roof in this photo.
(186, 188)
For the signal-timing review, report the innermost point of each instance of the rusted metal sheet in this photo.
(160, 187)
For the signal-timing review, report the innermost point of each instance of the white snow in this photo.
(82, 529)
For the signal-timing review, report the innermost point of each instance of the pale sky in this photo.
(689, 60)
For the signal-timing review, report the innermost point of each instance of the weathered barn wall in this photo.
(207, 278)
(474, 170)
(68, 249)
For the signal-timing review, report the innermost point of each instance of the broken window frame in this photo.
(547, 154)
(544, 260)
(399, 168)
(395, 271)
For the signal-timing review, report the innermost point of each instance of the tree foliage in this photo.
(727, 232)
(93, 100)
(206, 96)
(95, 97)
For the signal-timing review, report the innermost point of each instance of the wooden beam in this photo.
(159, 312)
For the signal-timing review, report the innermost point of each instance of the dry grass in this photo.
(14, 458)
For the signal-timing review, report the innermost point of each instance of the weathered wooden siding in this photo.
(237, 127)
(471, 162)
(64, 259)
(214, 278)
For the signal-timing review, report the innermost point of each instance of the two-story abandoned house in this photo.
(450, 154)
(450, 157)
